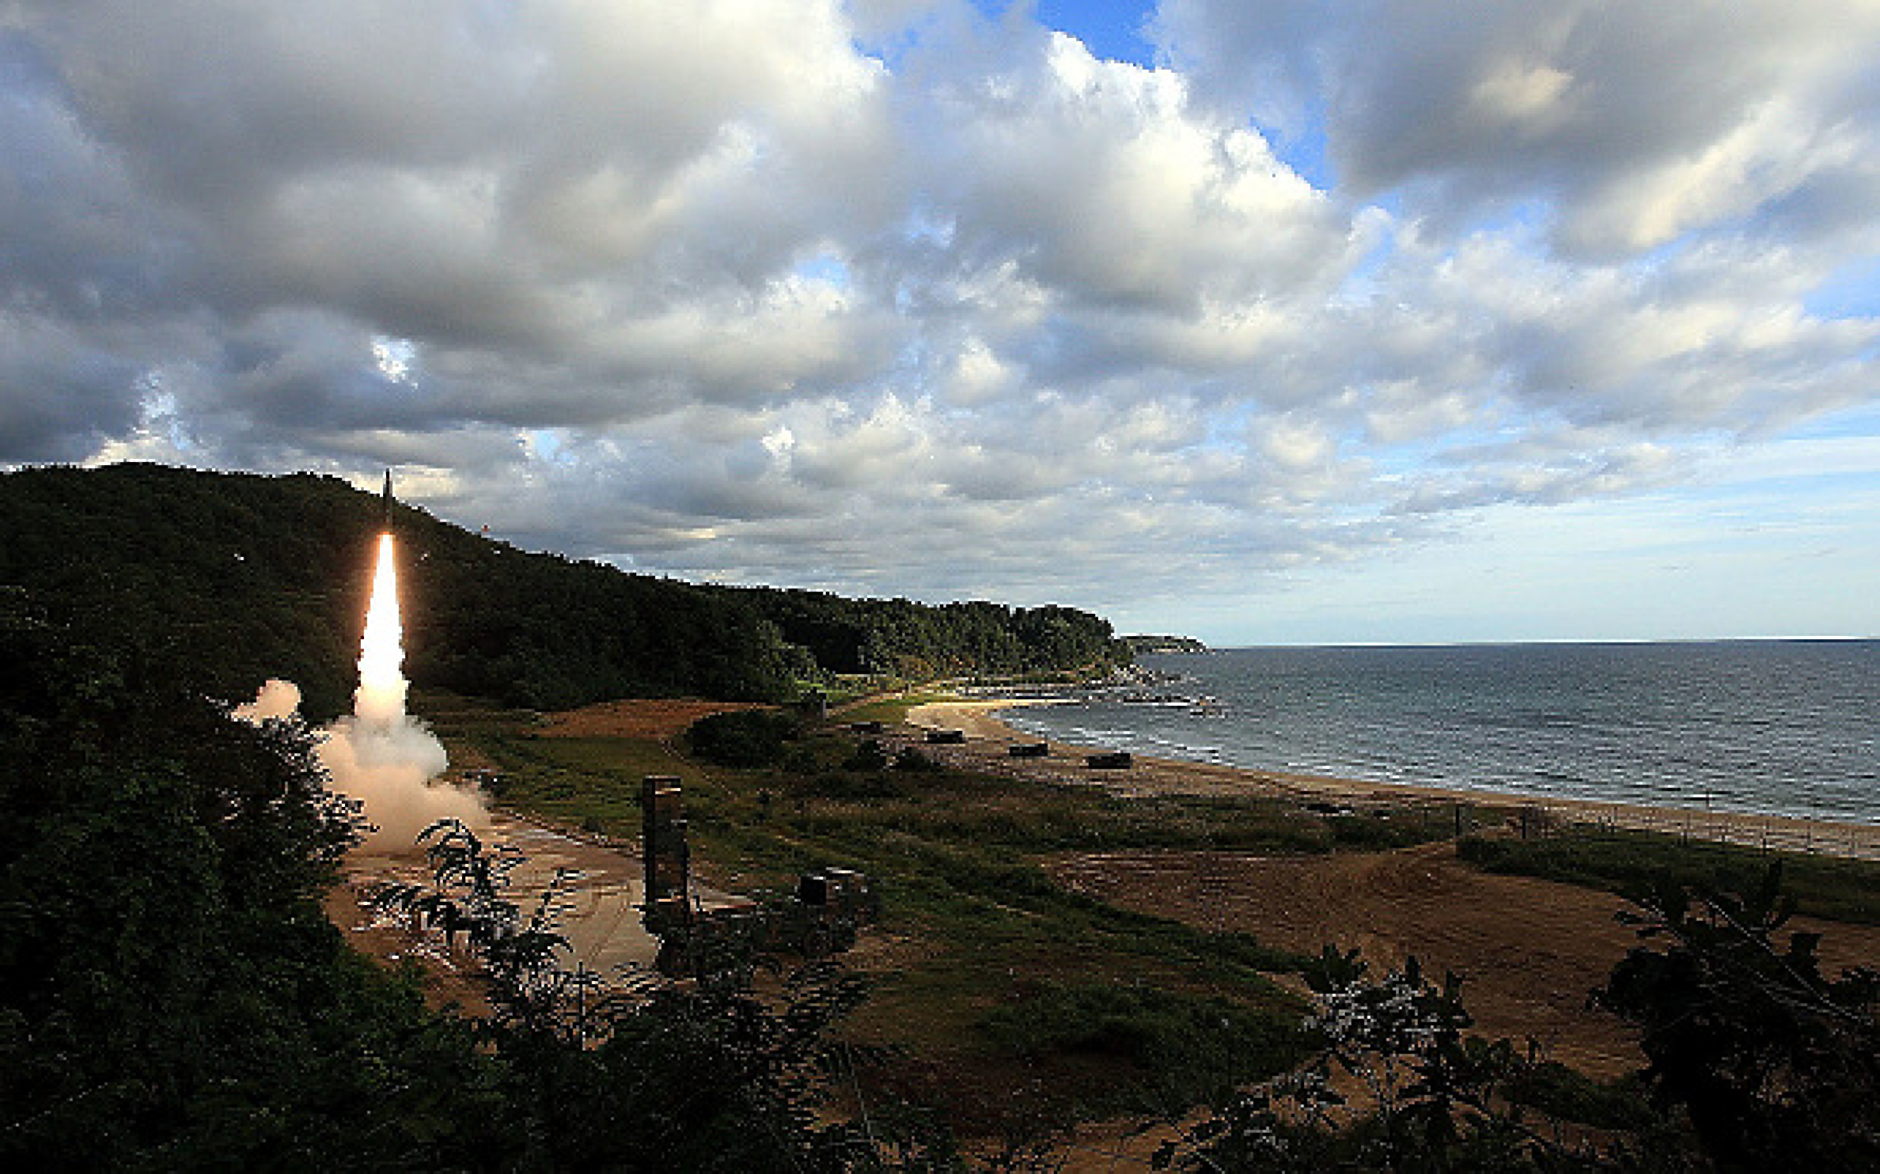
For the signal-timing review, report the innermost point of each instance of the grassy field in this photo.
(1016, 995)
(889, 710)
(1627, 862)
(1017, 1003)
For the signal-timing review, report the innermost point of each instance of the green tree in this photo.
(171, 995)
(742, 737)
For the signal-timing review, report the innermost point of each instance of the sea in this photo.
(1762, 727)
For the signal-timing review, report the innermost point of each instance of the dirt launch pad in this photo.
(600, 907)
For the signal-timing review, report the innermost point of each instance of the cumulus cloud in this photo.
(888, 296)
(1103, 184)
(1635, 123)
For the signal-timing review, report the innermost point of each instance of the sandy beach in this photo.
(1529, 950)
(988, 740)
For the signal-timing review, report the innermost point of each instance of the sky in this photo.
(1291, 322)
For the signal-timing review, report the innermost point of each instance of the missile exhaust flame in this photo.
(381, 693)
(378, 754)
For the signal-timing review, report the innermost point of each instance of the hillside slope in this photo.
(247, 576)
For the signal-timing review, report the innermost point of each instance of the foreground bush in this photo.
(171, 995)
(173, 998)
(1776, 1065)
(1757, 1062)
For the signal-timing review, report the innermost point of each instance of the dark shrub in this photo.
(744, 737)
(868, 756)
(912, 759)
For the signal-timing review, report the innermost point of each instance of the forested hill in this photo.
(242, 577)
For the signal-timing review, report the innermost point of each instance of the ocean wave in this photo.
(1732, 725)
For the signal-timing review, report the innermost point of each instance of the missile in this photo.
(388, 499)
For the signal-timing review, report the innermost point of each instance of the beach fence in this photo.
(1766, 833)
(1538, 820)
(1526, 818)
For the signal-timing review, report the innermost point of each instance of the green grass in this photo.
(1183, 1048)
(959, 861)
(1559, 1091)
(589, 782)
(892, 710)
(1629, 862)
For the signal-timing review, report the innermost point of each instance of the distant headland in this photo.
(1160, 645)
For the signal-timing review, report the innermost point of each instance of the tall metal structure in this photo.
(663, 850)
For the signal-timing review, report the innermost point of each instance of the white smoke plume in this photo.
(277, 699)
(392, 767)
(380, 755)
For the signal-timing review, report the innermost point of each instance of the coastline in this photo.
(988, 739)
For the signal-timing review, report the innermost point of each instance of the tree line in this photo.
(249, 576)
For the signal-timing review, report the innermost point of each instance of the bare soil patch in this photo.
(1529, 951)
(448, 979)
